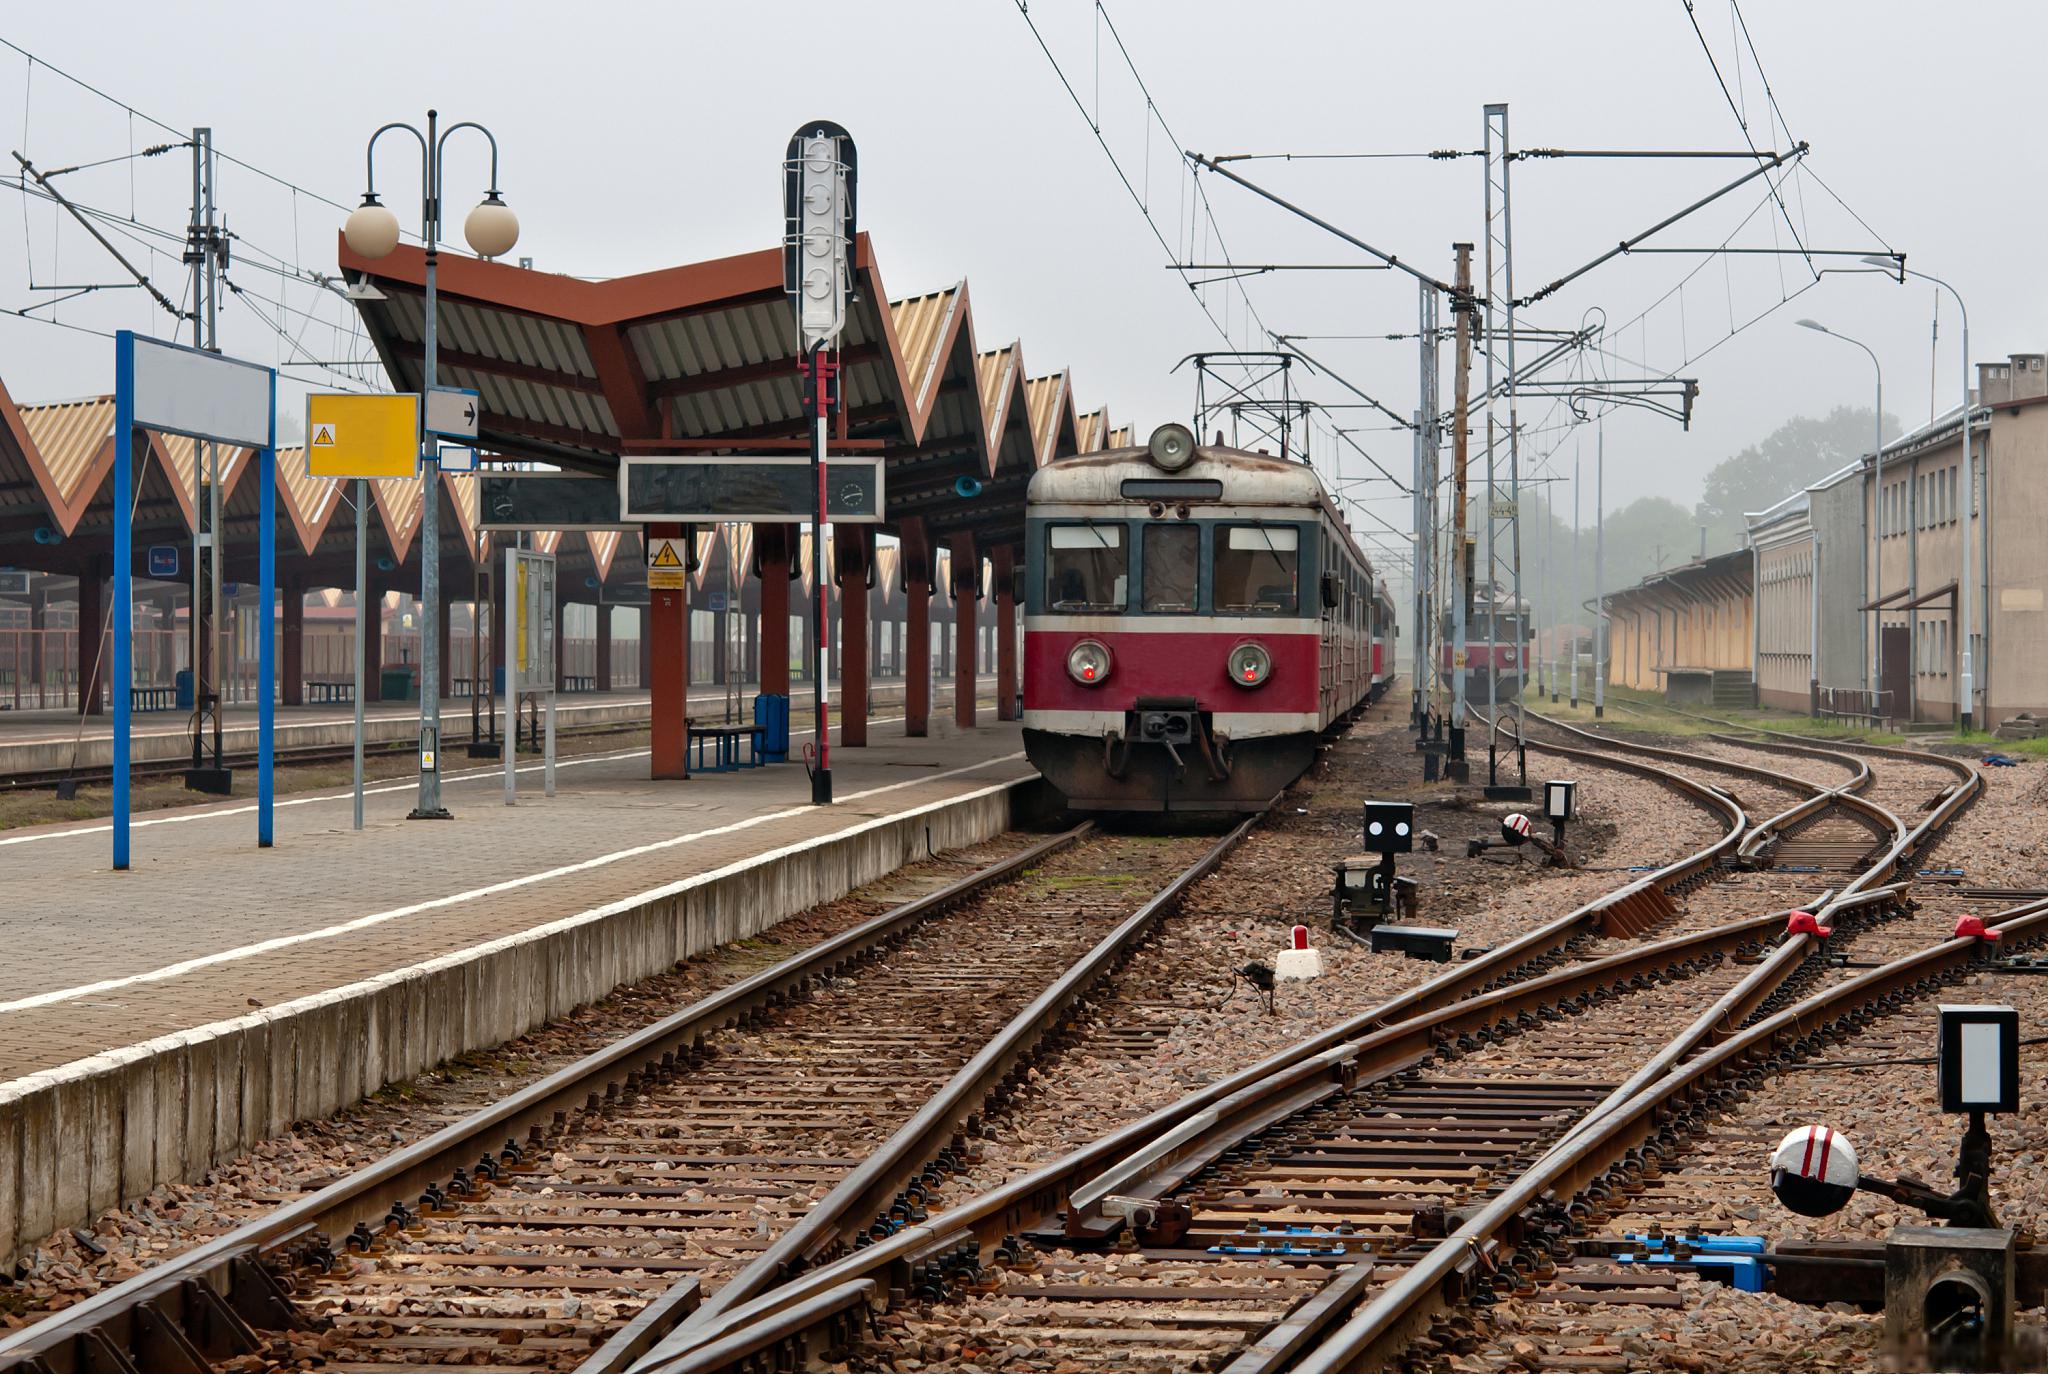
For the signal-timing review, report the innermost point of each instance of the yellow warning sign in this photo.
(353, 435)
(666, 568)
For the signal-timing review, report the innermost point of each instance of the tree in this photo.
(1790, 458)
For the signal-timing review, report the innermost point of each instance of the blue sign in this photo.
(717, 602)
(163, 560)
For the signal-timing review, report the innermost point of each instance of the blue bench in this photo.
(725, 740)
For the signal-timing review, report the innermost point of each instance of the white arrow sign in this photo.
(452, 412)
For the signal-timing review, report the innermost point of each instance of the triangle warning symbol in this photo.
(665, 556)
(323, 436)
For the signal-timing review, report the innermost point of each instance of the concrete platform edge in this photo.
(99, 1131)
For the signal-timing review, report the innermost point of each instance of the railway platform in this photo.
(155, 1020)
(38, 743)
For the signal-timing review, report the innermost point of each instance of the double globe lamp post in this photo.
(372, 232)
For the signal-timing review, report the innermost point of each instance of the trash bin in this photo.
(771, 713)
(183, 681)
(399, 684)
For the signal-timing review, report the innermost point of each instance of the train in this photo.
(1497, 635)
(1386, 635)
(1195, 619)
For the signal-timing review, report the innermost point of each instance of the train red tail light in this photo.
(1250, 664)
(1088, 663)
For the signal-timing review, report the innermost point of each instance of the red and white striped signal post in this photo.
(817, 274)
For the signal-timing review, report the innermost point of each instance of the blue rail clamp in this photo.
(1734, 1260)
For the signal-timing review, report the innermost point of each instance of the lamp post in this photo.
(372, 231)
(1966, 693)
(1874, 545)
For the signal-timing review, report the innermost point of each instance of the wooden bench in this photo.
(726, 746)
(578, 682)
(329, 692)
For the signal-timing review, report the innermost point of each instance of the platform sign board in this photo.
(530, 655)
(780, 489)
(668, 565)
(548, 501)
(201, 395)
(457, 458)
(452, 412)
(349, 434)
(163, 561)
(207, 396)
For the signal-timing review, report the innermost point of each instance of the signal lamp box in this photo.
(1978, 1060)
(1389, 827)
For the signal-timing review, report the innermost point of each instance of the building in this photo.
(1686, 632)
(1887, 612)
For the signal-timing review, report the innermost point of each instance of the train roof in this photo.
(1250, 479)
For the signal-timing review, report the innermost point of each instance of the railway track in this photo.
(816, 1100)
(1312, 1183)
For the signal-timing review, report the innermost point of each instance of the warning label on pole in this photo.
(667, 570)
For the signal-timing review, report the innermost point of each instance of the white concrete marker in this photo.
(1299, 962)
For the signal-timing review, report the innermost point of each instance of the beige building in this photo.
(1686, 632)
(1886, 613)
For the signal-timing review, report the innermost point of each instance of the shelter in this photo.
(1686, 631)
(702, 358)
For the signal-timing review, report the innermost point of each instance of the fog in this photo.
(636, 137)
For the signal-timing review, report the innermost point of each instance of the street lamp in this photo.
(1876, 543)
(1967, 695)
(372, 232)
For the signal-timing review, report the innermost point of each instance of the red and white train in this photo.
(1386, 636)
(1497, 637)
(1195, 618)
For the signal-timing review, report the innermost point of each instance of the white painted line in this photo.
(168, 971)
(488, 772)
(47, 1079)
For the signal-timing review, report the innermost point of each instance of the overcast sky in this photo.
(642, 136)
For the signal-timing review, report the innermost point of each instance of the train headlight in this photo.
(1088, 663)
(1508, 655)
(1250, 665)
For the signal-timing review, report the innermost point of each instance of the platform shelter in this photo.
(702, 359)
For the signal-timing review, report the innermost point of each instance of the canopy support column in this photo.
(668, 631)
(1004, 561)
(773, 542)
(850, 570)
(966, 592)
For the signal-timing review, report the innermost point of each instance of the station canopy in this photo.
(576, 373)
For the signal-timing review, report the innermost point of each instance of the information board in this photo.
(764, 490)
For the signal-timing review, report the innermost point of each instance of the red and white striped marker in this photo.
(1299, 960)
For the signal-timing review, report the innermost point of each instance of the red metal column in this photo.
(1004, 563)
(604, 648)
(966, 589)
(442, 637)
(917, 629)
(373, 645)
(668, 633)
(294, 650)
(850, 567)
(92, 629)
(774, 544)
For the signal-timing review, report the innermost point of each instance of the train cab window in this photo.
(1173, 567)
(1087, 569)
(1257, 570)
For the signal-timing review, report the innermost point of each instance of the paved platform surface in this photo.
(37, 741)
(206, 926)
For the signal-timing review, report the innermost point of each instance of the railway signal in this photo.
(1559, 798)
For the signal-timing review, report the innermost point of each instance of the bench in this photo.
(578, 682)
(329, 692)
(152, 698)
(726, 746)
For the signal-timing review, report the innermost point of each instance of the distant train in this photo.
(1386, 635)
(1195, 618)
(1497, 635)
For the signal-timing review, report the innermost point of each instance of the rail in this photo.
(186, 1292)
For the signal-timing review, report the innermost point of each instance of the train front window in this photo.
(1257, 569)
(1086, 569)
(1173, 567)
